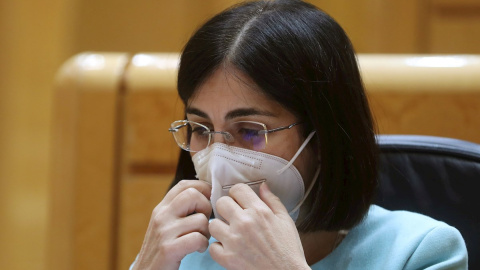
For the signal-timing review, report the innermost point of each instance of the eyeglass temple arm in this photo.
(278, 129)
(175, 129)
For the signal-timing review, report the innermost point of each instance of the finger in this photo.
(194, 223)
(190, 243)
(228, 208)
(202, 186)
(191, 201)
(218, 229)
(216, 251)
(245, 196)
(271, 200)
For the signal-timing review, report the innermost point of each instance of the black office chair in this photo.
(438, 177)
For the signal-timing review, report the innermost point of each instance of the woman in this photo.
(279, 133)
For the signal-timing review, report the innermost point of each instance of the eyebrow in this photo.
(241, 112)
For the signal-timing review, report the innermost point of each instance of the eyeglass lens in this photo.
(192, 136)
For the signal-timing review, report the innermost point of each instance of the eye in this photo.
(198, 130)
(247, 130)
(248, 134)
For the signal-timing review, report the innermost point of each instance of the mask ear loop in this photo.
(314, 180)
(298, 153)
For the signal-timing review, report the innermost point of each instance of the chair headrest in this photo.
(429, 144)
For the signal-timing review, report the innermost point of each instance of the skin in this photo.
(258, 232)
(178, 226)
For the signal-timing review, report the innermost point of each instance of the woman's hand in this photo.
(178, 226)
(258, 232)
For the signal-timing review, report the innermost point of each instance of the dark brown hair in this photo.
(301, 58)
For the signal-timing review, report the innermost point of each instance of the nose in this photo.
(218, 137)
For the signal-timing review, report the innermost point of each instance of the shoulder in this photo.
(404, 225)
(426, 241)
(400, 240)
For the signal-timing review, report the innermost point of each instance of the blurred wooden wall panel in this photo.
(86, 162)
(374, 26)
(134, 26)
(36, 37)
(454, 26)
(149, 155)
(34, 41)
(437, 95)
(377, 26)
(443, 114)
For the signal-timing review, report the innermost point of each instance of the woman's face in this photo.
(229, 96)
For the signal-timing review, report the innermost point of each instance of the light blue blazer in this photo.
(384, 240)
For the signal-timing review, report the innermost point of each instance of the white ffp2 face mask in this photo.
(224, 166)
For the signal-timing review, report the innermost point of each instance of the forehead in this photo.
(228, 89)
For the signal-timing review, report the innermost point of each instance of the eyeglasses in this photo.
(193, 137)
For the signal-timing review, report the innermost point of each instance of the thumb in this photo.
(271, 200)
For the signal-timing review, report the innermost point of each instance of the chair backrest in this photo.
(439, 177)
(113, 157)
